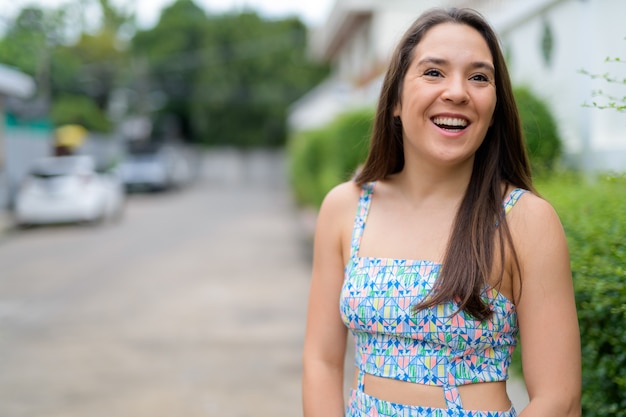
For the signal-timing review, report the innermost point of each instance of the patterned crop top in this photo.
(433, 346)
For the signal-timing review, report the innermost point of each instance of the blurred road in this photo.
(193, 305)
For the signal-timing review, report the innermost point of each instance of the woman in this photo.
(451, 256)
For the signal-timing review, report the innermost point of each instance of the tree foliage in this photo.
(28, 43)
(253, 70)
(227, 79)
(67, 62)
(166, 60)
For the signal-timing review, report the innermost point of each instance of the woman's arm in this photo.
(325, 340)
(550, 339)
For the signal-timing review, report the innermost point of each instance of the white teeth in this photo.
(450, 121)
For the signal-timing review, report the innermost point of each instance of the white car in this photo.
(155, 169)
(67, 189)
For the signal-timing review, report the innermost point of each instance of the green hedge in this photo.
(322, 158)
(540, 131)
(594, 218)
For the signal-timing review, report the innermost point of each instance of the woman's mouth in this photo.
(451, 124)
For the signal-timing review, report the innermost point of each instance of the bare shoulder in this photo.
(336, 218)
(533, 214)
(342, 200)
(540, 244)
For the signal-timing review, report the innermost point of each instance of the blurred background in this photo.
(161, 166)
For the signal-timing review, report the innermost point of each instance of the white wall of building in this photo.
(584, 33)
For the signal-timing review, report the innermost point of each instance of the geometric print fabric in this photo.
(435, 346)
(363, 405)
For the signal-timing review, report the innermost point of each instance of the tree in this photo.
(68, 64)
(228, 78)
(254, 69)
(93, 67)
(166, 60)
(29, 43)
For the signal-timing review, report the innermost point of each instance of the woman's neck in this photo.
(422, 182)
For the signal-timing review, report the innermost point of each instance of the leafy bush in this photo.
(540, 131)
(594, 219)
(80, 110)
(325, 157)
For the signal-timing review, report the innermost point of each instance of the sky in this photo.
(312, 12)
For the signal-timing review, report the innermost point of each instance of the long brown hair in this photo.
(501, 159)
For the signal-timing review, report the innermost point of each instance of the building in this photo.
(548, 44)
(13, 83)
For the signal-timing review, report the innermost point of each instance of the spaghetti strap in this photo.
(363, 208)
(509, 202)
(511, 199)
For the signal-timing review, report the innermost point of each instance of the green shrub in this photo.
(325, 157)
(540, 131)
(594, 220)
(80, 110)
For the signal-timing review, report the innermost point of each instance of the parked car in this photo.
(155, 168)
(66, 189)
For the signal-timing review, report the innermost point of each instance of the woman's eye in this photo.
(480, 78)
(432, 73)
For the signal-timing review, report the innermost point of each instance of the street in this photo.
(192, 305)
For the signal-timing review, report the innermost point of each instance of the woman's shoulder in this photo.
(336, 216)
(346, 193)
(342, 198)
(530, 204)
(533, 216)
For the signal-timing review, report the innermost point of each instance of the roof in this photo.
(15, 83)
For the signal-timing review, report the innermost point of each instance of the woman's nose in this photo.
(455, 91)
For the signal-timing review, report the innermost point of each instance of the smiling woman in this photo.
(442, 268)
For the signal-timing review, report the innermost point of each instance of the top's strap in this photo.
(363, 208)
(511, 199)
(509, 202)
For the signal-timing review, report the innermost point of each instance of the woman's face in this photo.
(448, 96)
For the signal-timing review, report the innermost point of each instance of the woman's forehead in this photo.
(453, 42)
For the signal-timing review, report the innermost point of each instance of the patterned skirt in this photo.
(363, 405)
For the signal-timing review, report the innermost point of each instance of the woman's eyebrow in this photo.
(432, 60)
(440, 61)
(484, 65)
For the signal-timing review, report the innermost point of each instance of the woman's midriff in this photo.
(480, 396)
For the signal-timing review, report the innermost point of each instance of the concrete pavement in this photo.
(275, 309)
